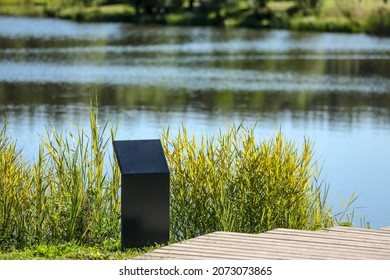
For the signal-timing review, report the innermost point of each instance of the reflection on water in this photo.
(190, 78)
(332, 88)
(337, 107)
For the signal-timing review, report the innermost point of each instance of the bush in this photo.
(188, 19)
(379, 22)
(280, 20)
(232, 183)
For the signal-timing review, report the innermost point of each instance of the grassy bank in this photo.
(66, 203)
(371, 16)
(70, 251)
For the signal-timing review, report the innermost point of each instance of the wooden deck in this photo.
(333, 244)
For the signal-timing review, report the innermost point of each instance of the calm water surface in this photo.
(331, 88)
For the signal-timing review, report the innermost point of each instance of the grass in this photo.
(280, 6)
(359, 9)
(66, 204)
(70, 251)
(112, 13)
(312, 23)
(67, 195)
(232, 183)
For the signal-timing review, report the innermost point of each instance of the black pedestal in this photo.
(144, 192)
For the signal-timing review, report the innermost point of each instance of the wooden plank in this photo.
(191, 254)
(163, 256)
(334, 243)
(211, 245)
(252, 253)
(335, 239)
(384, 238)
(313, 238)
(353, 236)
(385, 229)
(364, 231)
(185, 254)
(287, 250)
(272, 239)
(317, 245)
(345, 231)
(296, 244)
(216, 253)
(188, 252)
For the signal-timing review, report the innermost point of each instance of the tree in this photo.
(191, 4)
(262, 3)
(256, 4)
(213, 6)
(137, 5)
(308, 4)
(147, 6)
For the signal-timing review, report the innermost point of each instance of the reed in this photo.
(15, 211)
(233, 183)
(71, 193)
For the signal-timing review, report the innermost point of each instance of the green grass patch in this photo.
(280, 6)
(111, 13)
(36, 8)
(69, 251)
(22, 10)
(312, 23)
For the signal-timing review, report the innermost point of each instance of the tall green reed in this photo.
(71, 193)
(14, 213)
(231, 182)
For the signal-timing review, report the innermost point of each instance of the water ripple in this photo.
(189, 78)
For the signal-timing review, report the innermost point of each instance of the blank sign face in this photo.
(141, 156)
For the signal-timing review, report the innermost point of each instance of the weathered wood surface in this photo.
(333, 244)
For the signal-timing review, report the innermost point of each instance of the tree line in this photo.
(162, 6)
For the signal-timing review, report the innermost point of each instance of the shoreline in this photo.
(273, 17)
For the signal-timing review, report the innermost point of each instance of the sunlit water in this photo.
(331, 88)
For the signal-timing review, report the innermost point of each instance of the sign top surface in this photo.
(140, 156)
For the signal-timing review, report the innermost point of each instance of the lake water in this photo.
(331, 88)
